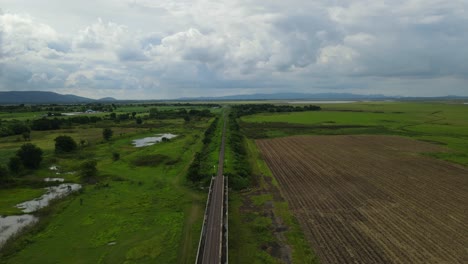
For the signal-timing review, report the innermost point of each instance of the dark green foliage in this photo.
(194, 169)
(139, 121)
(15, 165)
(250, 109)
(30, 156)
(3, 174)
(19, 128)
(150, 160)
(115, 156)
(180, 113)
(46, 124)
(88, 170)
(65, 144)
(27, 135)
(196, 172)
(13, 128)
(210, 131)
(107, 133)
(240, 178)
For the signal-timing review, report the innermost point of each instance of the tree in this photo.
(115, 156)
(65, 144)
(27, 136)
(3, 174)
(153, 112)
(107, 133)
(30, 155)
(133, 115)
(15, 165)
(88, 170)
(139, 121)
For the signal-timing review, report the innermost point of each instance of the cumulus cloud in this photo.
(167, 49)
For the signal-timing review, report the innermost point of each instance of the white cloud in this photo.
(201, 47)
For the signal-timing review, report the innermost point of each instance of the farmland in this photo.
(437, 122)
(373, 199)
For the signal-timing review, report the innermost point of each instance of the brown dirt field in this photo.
(373, 199)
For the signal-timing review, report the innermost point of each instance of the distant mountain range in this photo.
(318, 97)
(39, 97)
(293, 96)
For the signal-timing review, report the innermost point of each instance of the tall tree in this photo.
(107, 133)
(30, 155)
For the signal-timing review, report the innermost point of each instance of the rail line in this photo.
(212, 247)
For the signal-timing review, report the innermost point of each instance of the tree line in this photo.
(250, 109)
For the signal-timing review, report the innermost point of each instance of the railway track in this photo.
(211, 249)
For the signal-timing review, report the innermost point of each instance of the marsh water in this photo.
(10, 225)
(148, 141)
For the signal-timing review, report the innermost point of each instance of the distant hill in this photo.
(318, 97)
(107, 99)
(38, 97)
(293, 96)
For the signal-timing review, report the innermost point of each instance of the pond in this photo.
(10, 225)
(148, 141)
(52, 193)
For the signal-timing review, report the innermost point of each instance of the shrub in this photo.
(115, 156)
(107, 133)
(30, 155)
(65, 144)
(15, 165)
(88, 170)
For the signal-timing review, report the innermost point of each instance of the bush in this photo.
(15, 165)
(88, 170)
(115, 156)
(107, 133)
(3, 174)
(65, 144)
(30, 155)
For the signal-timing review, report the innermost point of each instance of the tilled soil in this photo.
(373, 199)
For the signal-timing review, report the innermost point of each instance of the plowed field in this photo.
(373, 199)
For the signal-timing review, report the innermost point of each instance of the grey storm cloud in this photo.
(167, 49)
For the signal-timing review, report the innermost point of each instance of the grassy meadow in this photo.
(142, 210)
(438, 122)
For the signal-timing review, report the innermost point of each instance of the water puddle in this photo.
(10, 225)
(53, 192)
(54, 179)
(148, 141)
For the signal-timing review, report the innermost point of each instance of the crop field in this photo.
(438, 122)
(373, 199)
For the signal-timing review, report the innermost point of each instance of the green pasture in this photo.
(135, 214)
(440, 123)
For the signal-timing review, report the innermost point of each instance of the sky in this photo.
(148, 49)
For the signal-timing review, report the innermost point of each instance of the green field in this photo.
(440, 123)
(143, 209)
(134, 214)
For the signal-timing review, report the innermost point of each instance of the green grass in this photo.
(252, 230)
(149, 212)
(12, 197)
(441, 123)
